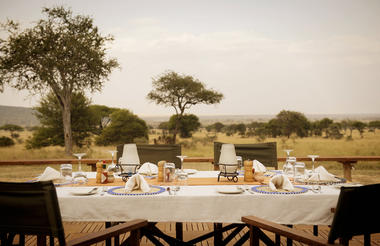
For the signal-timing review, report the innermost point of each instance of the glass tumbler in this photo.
(299, 171)
(66, 171)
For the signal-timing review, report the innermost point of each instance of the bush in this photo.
(6, 141)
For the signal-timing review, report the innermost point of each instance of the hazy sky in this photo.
(312, 56)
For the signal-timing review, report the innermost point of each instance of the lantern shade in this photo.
(130, 155)
(228, 154)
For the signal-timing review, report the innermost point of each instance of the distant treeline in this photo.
(288, 123)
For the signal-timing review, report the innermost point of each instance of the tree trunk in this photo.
(66, 118)
(177, 124)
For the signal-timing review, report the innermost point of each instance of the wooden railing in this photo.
(346, 161)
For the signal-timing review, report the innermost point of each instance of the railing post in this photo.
(347, 166)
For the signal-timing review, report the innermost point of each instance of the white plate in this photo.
(190, 171)
(84, 191)
(229, 190)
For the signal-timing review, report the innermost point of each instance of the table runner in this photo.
(191, 182)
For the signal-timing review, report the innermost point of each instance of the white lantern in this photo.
(129, 161)
(228, 162)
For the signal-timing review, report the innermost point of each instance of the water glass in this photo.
(299, 171)
(66, 171)
(289, 166)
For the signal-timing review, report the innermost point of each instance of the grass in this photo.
(201, 144)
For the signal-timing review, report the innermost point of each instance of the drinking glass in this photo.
(80, 176)
(182, 175)
(316, 186)
(66, 171)
(113, 167)
(288, 152)
(181, 157)
(313, 157)
(288, 168)
(299, 171)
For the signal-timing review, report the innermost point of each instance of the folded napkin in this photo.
(259, 167)
(148, 169)
(49, 174)
(323, 174)
(137, 182)
(280, 181)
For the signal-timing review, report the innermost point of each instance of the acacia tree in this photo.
(181, 92)
(62, 53)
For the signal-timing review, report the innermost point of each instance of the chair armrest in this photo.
(285, 231)
(108, 233)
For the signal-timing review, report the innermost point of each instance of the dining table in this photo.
(203, 199)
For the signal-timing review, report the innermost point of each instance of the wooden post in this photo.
(347, 166)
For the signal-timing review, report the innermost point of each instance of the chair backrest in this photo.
(357, 212)
(30, 209)
(266, 153)
(155, 153)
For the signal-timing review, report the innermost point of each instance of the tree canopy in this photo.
(51, 131)
(188, 124)
(125, 127)
(62, 53)
(181, 92)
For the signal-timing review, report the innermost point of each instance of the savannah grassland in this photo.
(201, 145)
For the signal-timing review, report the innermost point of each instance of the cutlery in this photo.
(92, 190)
(246, 189)
(104, 190)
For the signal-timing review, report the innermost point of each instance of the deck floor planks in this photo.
(191, 230)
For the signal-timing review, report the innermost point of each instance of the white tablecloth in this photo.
(201, 204)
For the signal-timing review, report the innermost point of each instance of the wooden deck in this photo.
(191, 230)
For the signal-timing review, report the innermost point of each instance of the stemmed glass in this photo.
(288, 152)
(287, 166)
(313, 157)
(182, 175)
(113, 166)
(181, 157)
(80, 174)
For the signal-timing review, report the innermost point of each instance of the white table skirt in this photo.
(200, 204)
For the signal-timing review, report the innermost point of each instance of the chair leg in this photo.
(277, 240)
(254, 236)
(41, 240)
(134, 238)
(344, 241)
(289, 242)
(21, 240)
(367, 239)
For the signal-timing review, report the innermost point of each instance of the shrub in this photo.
(6, 141)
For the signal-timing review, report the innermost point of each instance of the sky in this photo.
(310, 56)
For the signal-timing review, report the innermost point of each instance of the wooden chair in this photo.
(33, 209)
(155, 153)
(356, 213)
(266, 153)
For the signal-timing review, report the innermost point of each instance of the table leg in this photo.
(218, 236)
(179, 231)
